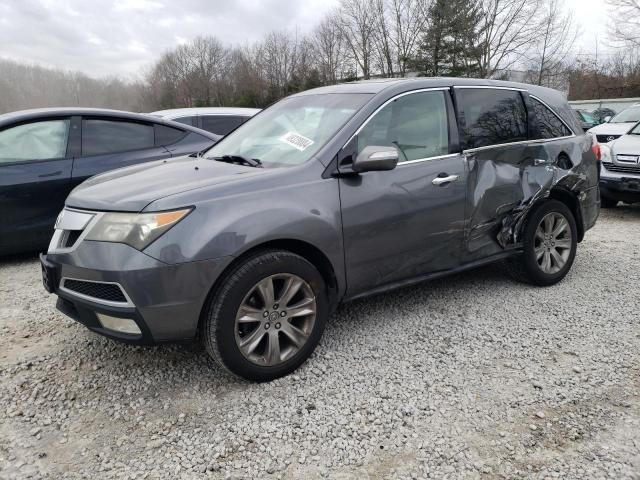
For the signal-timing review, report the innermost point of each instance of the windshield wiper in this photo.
(200, 153)
(239, 159)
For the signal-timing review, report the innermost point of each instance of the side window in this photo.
(168, 135)
(44, 140)
(549, 125)
(415, 124)
(186, 120)
(221, 124)
(492, 116)
(112, 136)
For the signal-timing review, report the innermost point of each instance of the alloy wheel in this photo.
(275, 319)
(553, 242)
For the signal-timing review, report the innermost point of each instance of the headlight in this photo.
(605, 154)
(135, 229)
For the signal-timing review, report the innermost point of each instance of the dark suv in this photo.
(328, 195)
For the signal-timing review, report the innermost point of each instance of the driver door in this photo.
(407, 222)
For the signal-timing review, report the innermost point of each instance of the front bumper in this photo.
(621, 187)
(164, 301)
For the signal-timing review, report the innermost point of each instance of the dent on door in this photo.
(506, 182)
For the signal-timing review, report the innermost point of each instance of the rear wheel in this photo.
(550, 242)
(267, 317)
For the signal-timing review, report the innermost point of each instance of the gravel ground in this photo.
(472, 376)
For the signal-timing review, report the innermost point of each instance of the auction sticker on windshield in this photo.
(296, 141)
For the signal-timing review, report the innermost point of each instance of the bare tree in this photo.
(625, 21)
(382, 39)
(357, 20)
(329, 48)
(508, 27)
(409, 18)
(557, 35)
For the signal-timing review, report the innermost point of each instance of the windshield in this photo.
(291, 131)
(587, 117)
(626, 116)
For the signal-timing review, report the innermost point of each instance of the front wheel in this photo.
(550, 240)
(267, 317)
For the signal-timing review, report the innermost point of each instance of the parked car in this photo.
(586, 120)
(617, 125)
(218, 120)
(603, 114)
(328, 195)
(620, 173)
(45, 153)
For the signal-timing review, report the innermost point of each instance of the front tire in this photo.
(550, 240)
(267, 316)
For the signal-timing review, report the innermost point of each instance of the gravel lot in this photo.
(472, 376)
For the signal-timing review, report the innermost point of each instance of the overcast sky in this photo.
(121, 37)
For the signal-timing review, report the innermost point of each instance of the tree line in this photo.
(360, 39)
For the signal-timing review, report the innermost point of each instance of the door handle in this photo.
(442, 180)
(540, 161)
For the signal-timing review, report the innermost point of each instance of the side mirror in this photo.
(375, 158)
(606, 119)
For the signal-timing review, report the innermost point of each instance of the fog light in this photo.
(123, 325)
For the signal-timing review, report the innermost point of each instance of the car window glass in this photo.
(415, 124)
(221, 124)
(631, 114)
(34, 141)
(492, 116)
(291, 131)
(168, 135)
(112, 136)
(549, 125)
(186, 120)
(588, 117)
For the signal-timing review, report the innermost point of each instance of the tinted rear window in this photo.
(492, 116)
(112, 136)
(168, 135)
(221, 124)
(186, 120)
(549, 125)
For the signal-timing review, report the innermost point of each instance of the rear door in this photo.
(407, 222)
(506, 171)
(35, 179)
(109, 143)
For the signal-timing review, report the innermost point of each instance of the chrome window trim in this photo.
(109, 303)
(375, 112)
(573, 134)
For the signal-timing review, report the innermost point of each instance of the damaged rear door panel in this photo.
(517, 152)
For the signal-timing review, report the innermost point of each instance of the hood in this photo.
(612, 128)
(627, 145)
(131, 189)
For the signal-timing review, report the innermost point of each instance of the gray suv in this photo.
(329, 195)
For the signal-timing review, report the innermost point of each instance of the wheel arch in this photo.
(306, 250)
(570, 199)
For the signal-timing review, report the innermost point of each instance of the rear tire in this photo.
(267, 316)
(550, 242)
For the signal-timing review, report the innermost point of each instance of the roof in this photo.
(378, 85)
(181, 112)
(33, 114)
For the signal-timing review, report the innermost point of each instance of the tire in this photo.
(608, 202)
(270, 351)
(526, 267)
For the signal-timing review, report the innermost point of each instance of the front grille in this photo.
(607, 138)
(102, 291)
(612, 167)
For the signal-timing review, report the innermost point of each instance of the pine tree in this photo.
(450, 44)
